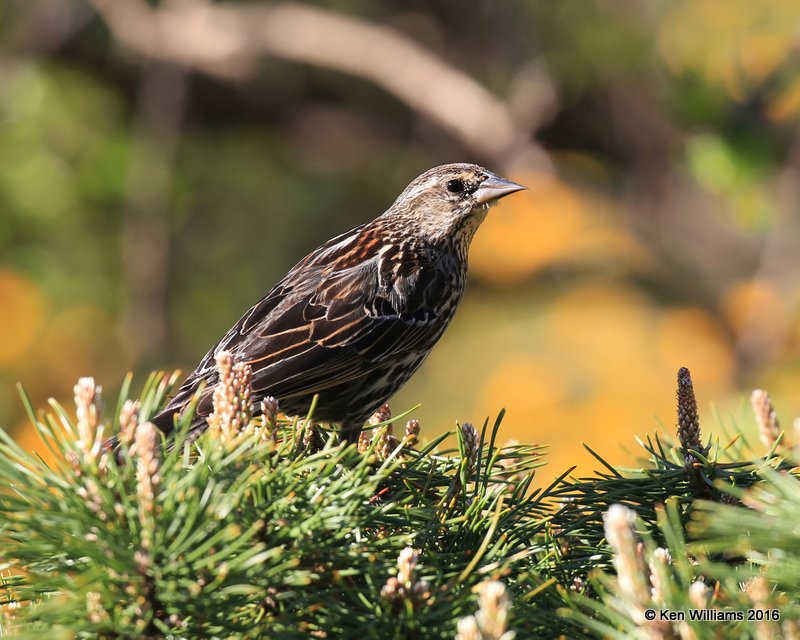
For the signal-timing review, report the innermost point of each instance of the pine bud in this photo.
(493, 614)
(688, 418)
(758, 591)
(90, 434)
(471, 445)
(381, 435)
(382, 414)
(270, 407)
(128, 421)
(578, 584)
(386, 446)
(412, 433)
(94, 608)
(269, 419)
(406, 564)
(364, 439)
(392, 590)
(618, 522)
(231, 400)
(147, 480)
(405, 586)
(311, 437)
(659, 561)
(698, 594)
(769, 428)
(468, 629)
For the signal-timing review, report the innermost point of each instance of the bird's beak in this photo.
(494, 188)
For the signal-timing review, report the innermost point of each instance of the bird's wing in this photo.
(337, 315)
(357, 318)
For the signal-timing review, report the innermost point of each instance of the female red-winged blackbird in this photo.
(354, 319)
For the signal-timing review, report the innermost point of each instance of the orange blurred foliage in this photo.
(28, 438)
(551, 223)
(752, 301)
(22, 313)
(596, 365)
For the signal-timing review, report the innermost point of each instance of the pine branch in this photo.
(247, 532)
(266, 527)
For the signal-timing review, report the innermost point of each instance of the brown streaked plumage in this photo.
(354, 319)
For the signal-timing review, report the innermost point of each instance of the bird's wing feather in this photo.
(333, 318)
(344, 329)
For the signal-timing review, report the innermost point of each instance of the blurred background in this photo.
(162, 164)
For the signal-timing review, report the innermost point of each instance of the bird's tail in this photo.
(349, 434)
(165, 421)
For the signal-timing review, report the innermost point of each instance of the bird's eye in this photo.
(455, 186)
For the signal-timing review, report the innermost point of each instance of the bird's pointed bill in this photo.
(494, 188)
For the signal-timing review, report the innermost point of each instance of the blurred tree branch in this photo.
(47, 25)
(227, 40)
(701, 255)
(762, 339)
(145, 238)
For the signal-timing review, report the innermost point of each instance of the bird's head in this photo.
(451, 201)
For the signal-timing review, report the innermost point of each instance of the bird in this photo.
(353, 320)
